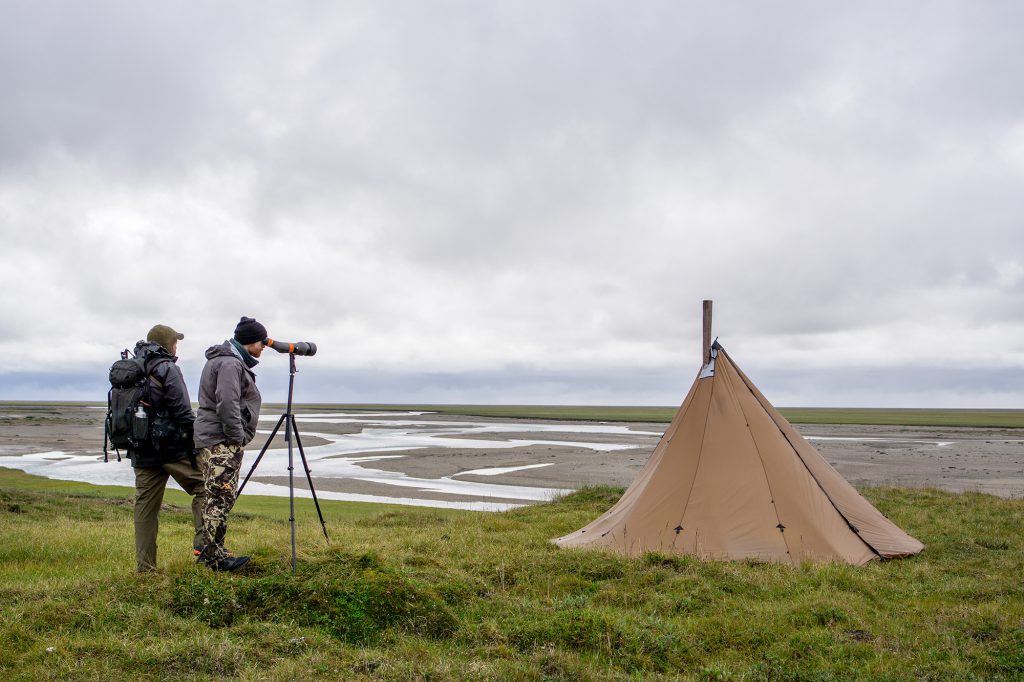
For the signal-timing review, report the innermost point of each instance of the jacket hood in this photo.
(147, 349)
(226, 350)
(221, 350)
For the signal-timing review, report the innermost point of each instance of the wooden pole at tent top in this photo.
(707, 332)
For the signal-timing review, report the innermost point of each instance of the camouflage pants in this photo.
(220, 464)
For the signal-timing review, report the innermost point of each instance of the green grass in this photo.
(414, 594)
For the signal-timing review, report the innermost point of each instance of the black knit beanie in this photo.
(249, 331)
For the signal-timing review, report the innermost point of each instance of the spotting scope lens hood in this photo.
(297, 348)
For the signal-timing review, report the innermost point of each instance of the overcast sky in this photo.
(520, 202)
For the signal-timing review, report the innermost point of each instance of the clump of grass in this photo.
(989, 543)
(354, 598)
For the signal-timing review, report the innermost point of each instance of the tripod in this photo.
(290, 429)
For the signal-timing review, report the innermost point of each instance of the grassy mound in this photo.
(422, 594)
(355, 599)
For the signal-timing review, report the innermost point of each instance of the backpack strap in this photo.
(148, 369)
(156, 382)
(106, 434)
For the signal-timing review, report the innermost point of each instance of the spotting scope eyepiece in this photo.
(298, 348)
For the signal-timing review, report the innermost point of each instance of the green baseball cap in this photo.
(164, 335)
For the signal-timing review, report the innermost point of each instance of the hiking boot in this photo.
(228, 563)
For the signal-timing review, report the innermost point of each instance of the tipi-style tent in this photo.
(732, 479)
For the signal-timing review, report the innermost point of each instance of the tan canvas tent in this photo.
(732, 479)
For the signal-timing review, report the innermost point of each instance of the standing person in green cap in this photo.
(229, 410)
(168, 452)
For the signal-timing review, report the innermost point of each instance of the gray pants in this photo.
(149, 496)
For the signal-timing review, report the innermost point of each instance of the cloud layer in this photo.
(520, 203)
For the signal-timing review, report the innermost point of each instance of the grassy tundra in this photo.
(412, 594)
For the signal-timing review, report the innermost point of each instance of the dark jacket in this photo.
(170, 410)
(229, 402)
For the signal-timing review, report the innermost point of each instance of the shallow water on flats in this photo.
(344, 456)
(351, 456)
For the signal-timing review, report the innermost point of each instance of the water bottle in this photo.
(140, 425)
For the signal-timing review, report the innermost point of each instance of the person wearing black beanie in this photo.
(229, 410)
(249, 331)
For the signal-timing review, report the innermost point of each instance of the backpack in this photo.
(128, 403)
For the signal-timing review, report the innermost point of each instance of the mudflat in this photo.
(539, 455)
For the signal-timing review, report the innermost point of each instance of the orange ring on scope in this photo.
(270, 342)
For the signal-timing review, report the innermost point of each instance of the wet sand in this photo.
(969, 459)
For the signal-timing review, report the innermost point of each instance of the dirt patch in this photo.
(955, 459)
(569, 467)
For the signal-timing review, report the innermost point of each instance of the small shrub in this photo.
(1008, 651)
(818, 615)
(628, 645)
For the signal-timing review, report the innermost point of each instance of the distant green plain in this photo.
(998, 419)
(797, 415)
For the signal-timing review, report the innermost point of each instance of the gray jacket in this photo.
(229, 402)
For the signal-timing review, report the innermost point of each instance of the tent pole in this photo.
(707, 332)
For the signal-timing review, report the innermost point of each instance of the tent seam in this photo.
(804, 463)
(700, 456)
(764, 469)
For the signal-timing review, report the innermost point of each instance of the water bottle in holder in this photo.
(140, 425)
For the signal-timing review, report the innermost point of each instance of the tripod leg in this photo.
(288, 431)
(260, 456)
(309, 478)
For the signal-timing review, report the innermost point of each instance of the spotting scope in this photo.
(297, 348)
